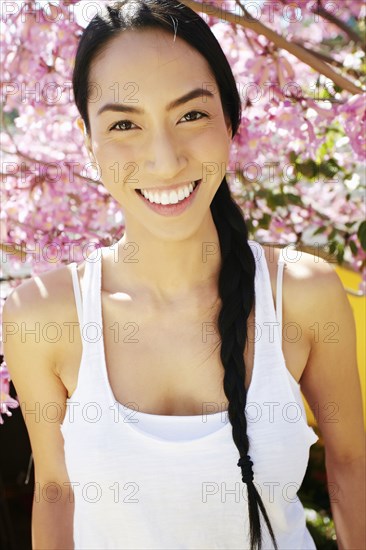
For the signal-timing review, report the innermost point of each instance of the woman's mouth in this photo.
(172, 209)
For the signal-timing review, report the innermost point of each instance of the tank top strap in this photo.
(88, 301)
(267, 339)
(281, 265)
(92, 313)
(90, 380)
(77, 293)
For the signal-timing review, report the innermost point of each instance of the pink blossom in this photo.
(6, 402)
(50, 200)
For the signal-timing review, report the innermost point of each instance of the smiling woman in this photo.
(197, 297)
(168, 152)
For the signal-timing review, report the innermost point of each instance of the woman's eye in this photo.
(202, 115)
(121, 123)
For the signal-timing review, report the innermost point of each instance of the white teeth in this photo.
(171, 197)
(165, 197)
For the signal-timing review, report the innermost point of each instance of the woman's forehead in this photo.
(147, 67)
(144, 56)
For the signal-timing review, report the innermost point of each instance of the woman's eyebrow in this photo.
(123, 107)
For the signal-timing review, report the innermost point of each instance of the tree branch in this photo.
(351, 33)
(301, 53)
(322, 12)
(328, 59)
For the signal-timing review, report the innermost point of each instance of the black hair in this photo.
(237, 273)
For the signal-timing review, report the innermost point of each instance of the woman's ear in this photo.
(81, 125)
(229, 128)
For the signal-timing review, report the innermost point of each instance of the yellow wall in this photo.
(350, 279)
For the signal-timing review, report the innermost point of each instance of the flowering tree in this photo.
(296, 162)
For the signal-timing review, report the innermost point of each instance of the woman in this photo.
(145, 456)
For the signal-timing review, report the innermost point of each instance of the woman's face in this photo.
(151, 144)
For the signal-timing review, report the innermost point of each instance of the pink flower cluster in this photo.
(293, 120)
(6, 402)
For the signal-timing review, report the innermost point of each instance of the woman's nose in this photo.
(164, 156)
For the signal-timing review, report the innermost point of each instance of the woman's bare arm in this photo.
(42, 397)
(331, 385)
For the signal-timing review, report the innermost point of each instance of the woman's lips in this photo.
(171, 209)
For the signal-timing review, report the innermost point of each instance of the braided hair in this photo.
(236, 290)
(237, 272)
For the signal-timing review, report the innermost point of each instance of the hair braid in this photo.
(237, 292)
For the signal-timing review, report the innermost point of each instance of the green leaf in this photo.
(361, 234)
(308, 169)
(293, 157)
(293, 199)
(262, 193)
(333, 233)
(353, 247)
(275, 200)
(329, 168)
(332, 247)
(340, 253)
(320, 229)
(265, 221)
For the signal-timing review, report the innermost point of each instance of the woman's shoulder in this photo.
(306, 275)
(43, 301)
(310, 283)
(301, 266)
(38, 292)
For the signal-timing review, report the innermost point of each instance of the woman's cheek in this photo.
(118, 166)
(214, 155)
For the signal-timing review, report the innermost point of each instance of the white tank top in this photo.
(145, 481)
